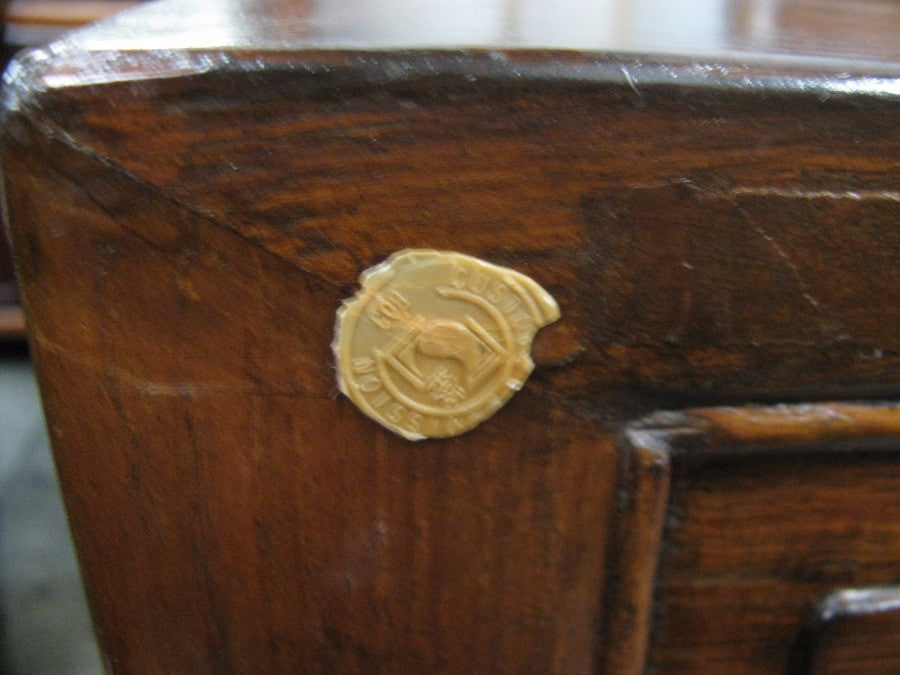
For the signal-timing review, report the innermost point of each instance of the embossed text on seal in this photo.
(435, 342)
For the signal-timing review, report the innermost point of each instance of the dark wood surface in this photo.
(852, 630)
(718, 226)
(27, 23)
(703, 247)
(769, 510)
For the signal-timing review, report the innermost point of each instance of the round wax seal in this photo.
(435, 342)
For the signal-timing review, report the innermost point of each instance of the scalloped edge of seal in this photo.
(521, 302)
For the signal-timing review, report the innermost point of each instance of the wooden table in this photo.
(709, 191)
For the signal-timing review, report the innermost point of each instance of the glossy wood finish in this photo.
(852, 630)
(765, 515)
(719, 269)
(31, 22)
(717, 230)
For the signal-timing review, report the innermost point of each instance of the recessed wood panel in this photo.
(753, 543)
(765, 511)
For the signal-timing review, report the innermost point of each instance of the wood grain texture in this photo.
(852, 630)
(757, 545)
(679, 215)
(276, 526)
(186, 221)
(770, 510)
(29, 23)
(635, 554)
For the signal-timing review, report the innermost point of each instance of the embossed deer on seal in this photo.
(434, 342)
(438, 338)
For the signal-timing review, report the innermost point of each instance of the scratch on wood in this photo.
(798, 193)
(44, 125)
(791, 264)
(631, 83)
(185, 389)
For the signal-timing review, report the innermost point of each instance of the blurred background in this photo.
(44, 621)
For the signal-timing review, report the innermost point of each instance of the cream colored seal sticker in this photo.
(435, 342)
